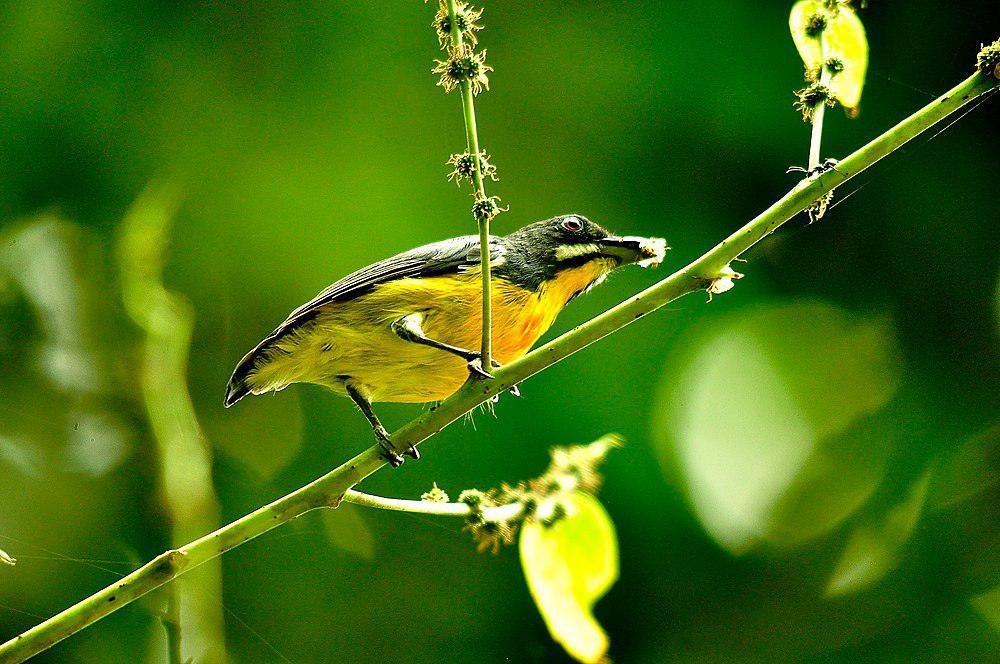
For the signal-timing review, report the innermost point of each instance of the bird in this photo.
(408, 328)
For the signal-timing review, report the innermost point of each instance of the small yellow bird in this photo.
(405, 329)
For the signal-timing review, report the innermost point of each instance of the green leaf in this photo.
(771, 420)
(873, 548)
(967, 471)
(988, 606)
(843, 38)
(568, 567)
(348, 530)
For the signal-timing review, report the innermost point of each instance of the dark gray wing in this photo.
(445, 257)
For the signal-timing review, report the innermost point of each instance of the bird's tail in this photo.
(237, 388)
(235, 391)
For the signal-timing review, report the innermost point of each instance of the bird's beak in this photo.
(643, 251)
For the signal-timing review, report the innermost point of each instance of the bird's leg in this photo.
(389, 452)
(408, 328)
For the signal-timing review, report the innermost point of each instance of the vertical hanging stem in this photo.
(817, 137)
(172, 625)
(817, 123)
(472, 142)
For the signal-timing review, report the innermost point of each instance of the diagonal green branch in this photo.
(328, 490)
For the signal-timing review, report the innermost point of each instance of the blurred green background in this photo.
(812, 459)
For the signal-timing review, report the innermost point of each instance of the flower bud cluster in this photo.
(495, 514)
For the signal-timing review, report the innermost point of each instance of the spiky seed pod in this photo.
(435, 495)
(808, 98)
(464, 169)
(474, 498)
(559, 513)
(834, 65)
(818, 209)
(489, 536)
(484, 209)
(465, 18)
(816, 24)
(465, 64)
(833, 6)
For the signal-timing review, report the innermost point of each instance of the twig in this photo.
(472, 142)
(171, 620)
(816, 139)
(498, 513)
(328, 490)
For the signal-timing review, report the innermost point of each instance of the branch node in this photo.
(168, 564)
(988, 60)
(724, 282)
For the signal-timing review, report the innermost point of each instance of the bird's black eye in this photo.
(573, 225)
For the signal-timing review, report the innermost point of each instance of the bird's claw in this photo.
(514, 391)
(389, 452)
(476, 367)
(394, 460)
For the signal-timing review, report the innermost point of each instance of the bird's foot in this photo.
(389, 452)
(476, 367)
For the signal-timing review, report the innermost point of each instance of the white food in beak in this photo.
(654, 249)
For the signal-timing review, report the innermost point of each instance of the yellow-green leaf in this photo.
(874, 548)
(967, 471)
(772, 418)
(568, 567)
(988, 606)
(843, 38)
(348, 530)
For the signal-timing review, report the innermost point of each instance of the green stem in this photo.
(472, 142)
(816, 139)
(498, 513)
(171, 620)
(328, 490)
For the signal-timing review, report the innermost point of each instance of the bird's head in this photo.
(571, 244)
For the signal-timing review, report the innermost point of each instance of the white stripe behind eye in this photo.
(567, 251)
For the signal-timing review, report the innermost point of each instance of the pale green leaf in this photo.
(873, 549)
(568, 567)
(988, 606)
(966, 471)
(843, 38)
(770, 419)
(809, 47)
(348, 530)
